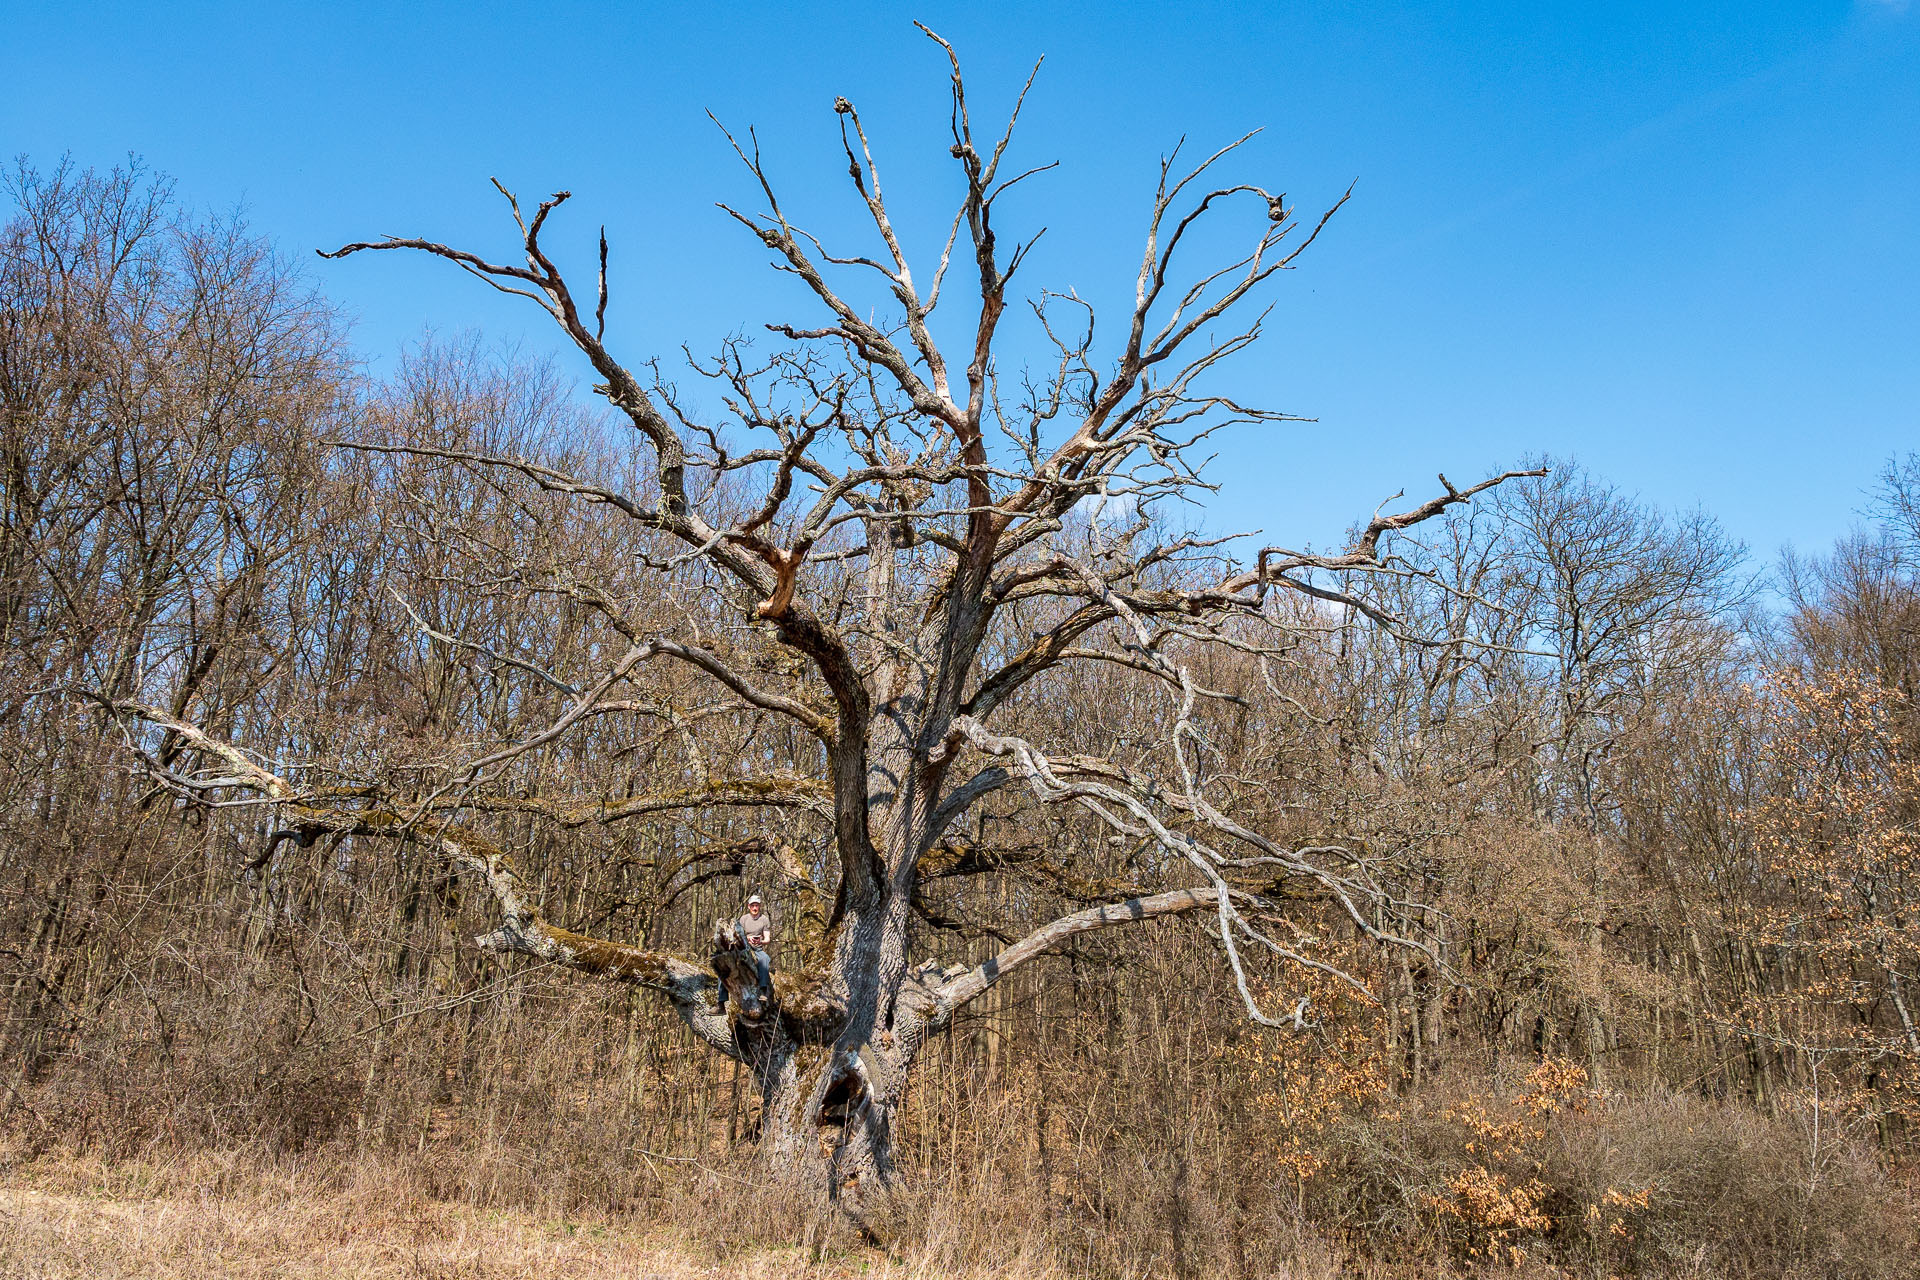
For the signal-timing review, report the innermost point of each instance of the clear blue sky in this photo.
(1678, 240)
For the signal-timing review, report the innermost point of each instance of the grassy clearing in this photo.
(228, 1217)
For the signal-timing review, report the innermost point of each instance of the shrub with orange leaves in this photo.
(1549, 1176)
(1303, 1086)
(1495, 1203)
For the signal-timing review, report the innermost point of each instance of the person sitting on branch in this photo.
(756, 934)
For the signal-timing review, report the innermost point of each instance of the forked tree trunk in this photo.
(829, 1085)
(833, 1068)
(826, 1118)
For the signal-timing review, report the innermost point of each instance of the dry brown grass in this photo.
(234, 1215)
(365, 1216)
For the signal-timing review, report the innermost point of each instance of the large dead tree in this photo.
(928, 538)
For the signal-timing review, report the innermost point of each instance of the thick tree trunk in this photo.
(828, 1128)
(830, 1068)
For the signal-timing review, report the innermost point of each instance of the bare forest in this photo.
(1529, 884)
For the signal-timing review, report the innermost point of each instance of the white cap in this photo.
(755, 898)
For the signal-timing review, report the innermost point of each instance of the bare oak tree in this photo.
(909, 541)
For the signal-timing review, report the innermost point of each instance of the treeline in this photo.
(1655, 805)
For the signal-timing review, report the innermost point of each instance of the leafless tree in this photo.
(899, 541)
(164, 382)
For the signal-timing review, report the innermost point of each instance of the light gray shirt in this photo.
(757, 930)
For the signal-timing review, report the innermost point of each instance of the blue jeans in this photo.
(763, 969)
